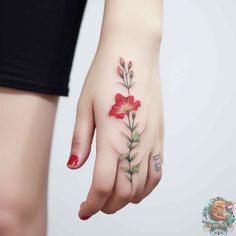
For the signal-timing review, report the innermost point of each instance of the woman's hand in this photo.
(121, 98)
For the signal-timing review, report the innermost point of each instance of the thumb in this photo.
(82, 135)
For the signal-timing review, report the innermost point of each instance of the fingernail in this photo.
(73, 162)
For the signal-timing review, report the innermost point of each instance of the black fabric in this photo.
(37, 43)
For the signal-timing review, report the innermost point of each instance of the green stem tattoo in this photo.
(126, 107)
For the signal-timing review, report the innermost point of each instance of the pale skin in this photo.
(26, 124)
(134, 32)
(131, 29)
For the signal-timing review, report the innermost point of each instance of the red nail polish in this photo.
(73, 162)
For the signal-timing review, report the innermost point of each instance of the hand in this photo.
(121, 97)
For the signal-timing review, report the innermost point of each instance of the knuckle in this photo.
(136, 200)
(76, 140)
(102, 189)
(124, 196)
(109, 211)
(138, 196)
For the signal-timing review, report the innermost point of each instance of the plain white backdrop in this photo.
(198, 73)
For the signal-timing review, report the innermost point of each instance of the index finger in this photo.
(103, 180)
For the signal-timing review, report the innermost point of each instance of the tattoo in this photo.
(157, 162)
(125, 107)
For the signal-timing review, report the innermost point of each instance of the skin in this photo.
(26, 124)
(131, 29)
(133, 32)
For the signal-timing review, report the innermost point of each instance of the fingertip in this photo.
(84, 217)
(74, 162)
(81, 214)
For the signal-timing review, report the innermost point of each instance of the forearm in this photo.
(133, 24)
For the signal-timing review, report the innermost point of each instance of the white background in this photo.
(198, 73)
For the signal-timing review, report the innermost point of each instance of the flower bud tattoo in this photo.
(125, 107)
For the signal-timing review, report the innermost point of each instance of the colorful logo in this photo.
(218, 216)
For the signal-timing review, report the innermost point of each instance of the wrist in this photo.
(139, 38)
(132, 22)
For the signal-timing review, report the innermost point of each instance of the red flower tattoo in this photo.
(126, 107)
(123, 106)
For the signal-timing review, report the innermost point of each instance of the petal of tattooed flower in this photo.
(133, 105)
(123, 106)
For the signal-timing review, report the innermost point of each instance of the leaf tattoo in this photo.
(126, 107)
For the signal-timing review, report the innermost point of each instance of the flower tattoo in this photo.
(125, 107)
